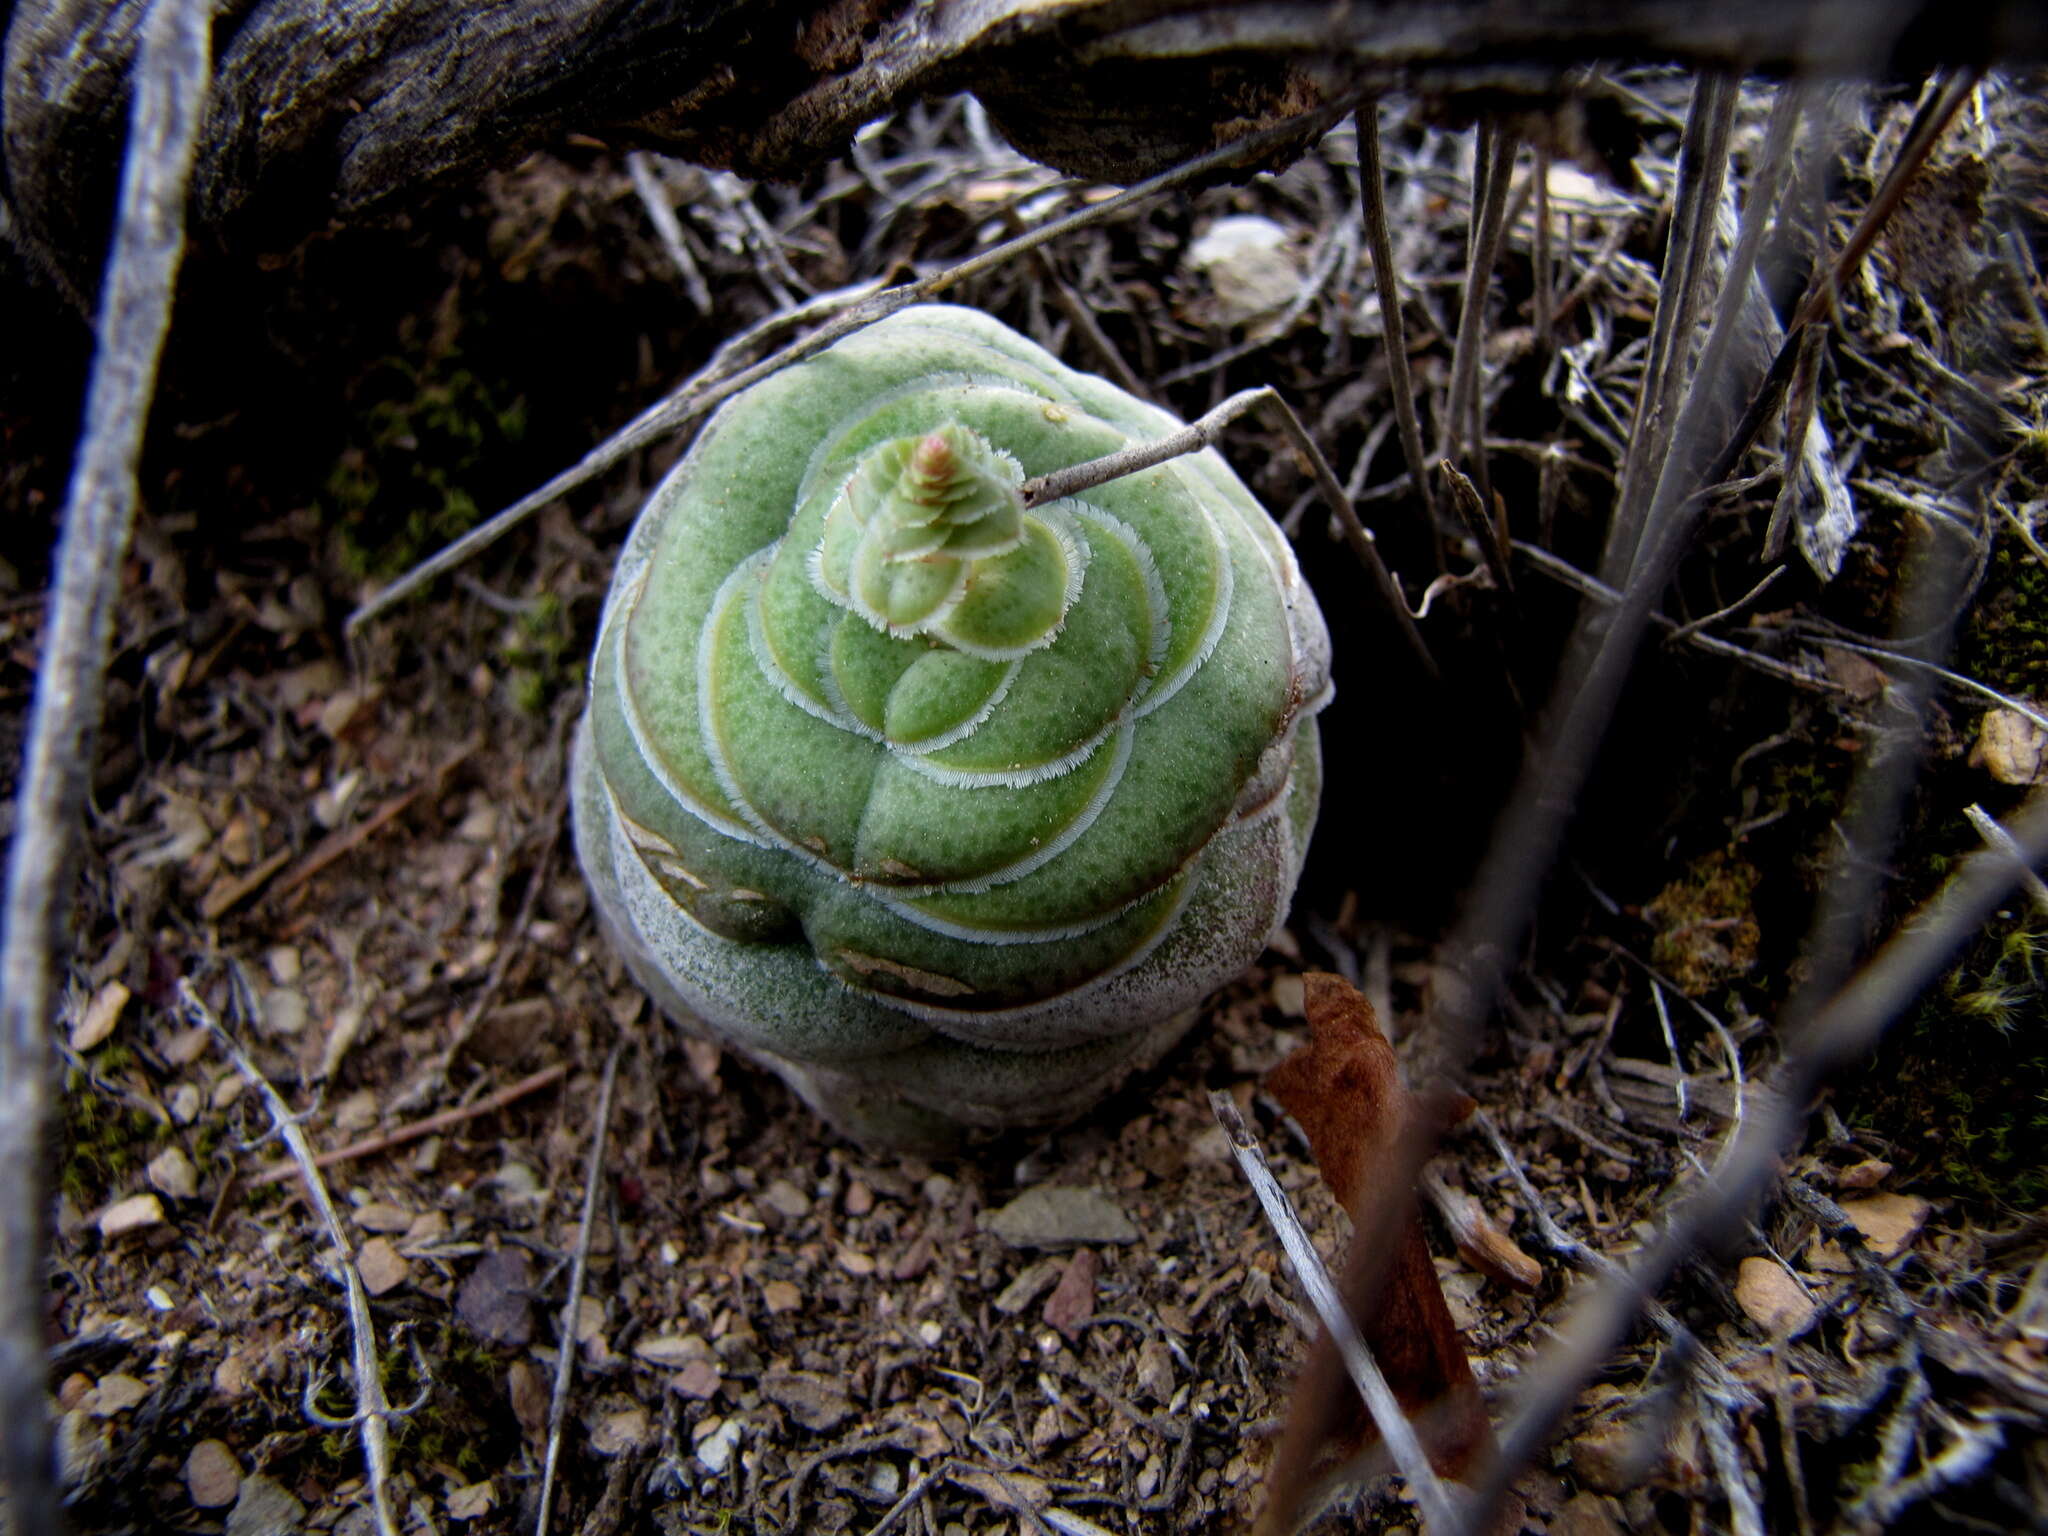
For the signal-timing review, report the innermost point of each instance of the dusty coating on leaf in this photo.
(933, 802)
(1344, 1089)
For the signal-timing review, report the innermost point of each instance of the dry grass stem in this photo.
(169, 96)
(373, 1410)
(566, 1343)
(431, 1125)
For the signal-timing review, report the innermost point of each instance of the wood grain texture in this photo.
(323, 111)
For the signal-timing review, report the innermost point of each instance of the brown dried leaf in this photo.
(1072, 1301)
(1344, 1090)
(496, 1300)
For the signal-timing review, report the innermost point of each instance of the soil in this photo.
(353, 854)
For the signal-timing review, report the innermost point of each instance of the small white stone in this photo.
(715, 1450)
(171, 1173)
(184, 1103)
(134, 1214)
(100, 1016)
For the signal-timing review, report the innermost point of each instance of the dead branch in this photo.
(135, 313)
(323, 113)
(565, 1345)
(373, 1409)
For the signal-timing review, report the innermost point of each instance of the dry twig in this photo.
(432, 1125)
(169, 88)
(1202, 433)
(373, 1410)
(565, 1349)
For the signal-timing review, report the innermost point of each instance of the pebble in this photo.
(618, 1433)
(786, 1200)
(699, 1380)
(117, 1392)
(264, 1508)
(100, 1017)
(184, 1103)
(171, 1173)
(382, 1216)
(671, 1351)
(715, 1448)
(213, 1478)
(135, 1214)
(1055, 1216)
(285, 1011)
(1155, 1370)
(1028, 1285)
(781, 1296)
(1772, 1298)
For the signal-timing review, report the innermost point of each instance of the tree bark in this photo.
(324, 111)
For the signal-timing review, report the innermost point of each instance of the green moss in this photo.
(423, 439)
(1706, 923)
(1962, 1088)
(542, 655)
(2004, 640)
(104, 1143)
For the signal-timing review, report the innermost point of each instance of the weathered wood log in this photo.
(324, 111)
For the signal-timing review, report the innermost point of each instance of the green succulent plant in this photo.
(947, 808)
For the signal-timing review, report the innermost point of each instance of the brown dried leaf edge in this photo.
(1344, 1089)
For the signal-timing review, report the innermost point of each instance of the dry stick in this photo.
(696, 394)
(1995, 836)
(369, 1146)
(565, 1353)
(1571, 576)
(1745, 1513)
(1687, 631)
(1534, 823)
(1479, 522)
(372, 1409)
(345, 840)
(1925, 132)
(1202, 433)
(855, 311)
(1545, 298)
(1702, 168)
(169, 85)
(1372, 193)
(1934, 669)
(1493, 170)
(1082, 318)
(1678, 1077)
(662, 212)
(1387, 1417)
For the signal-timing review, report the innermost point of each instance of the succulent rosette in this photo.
(948, 809)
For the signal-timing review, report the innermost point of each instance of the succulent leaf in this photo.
(947, 809)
